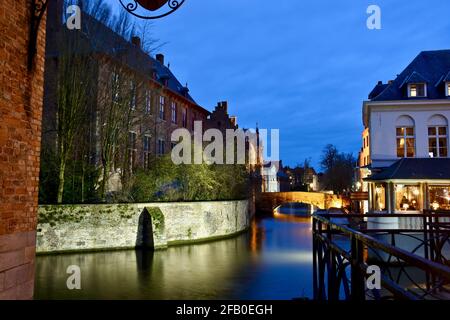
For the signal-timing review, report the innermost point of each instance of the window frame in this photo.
(184, 117)
(162, 107)
(405, 137)
(161, 146)
(173, 108)
(417, 91)
(437, 137)
(146, 149)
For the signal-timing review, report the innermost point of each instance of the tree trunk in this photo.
(62, 169)
(104, 180)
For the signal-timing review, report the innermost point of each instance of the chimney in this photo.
(390, 81)
(233, 120)
(160, 58)
(224, 105)
(380, 83)
(136, 41)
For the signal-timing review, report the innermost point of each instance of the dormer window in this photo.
(447, 89)
(416, 90)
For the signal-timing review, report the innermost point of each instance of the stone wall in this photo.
(21, 92)
(106, 227)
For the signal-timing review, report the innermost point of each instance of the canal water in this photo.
(273, 260)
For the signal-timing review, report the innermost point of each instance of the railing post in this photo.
(358, 286)
(426, 245)
(321, 266)
(331, 270)
(315, 256)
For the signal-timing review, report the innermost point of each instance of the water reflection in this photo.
(272, 261)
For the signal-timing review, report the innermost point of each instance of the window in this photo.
(174, 112)
(437, 142)
(115, 87)
(161, 147)
(162, 107)
(146, 147)
(406, 142)
(379, 198)
(132, 149)
(184, 117)
(407, 198)
(133, 96)
(439, 197)
(447, 89)
(417, 90)
(148, 102)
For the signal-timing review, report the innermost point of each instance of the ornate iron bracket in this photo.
(38, 8)
(134, 7)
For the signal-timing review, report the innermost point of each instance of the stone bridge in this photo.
(269, 201)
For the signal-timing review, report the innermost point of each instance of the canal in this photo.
(273, 260)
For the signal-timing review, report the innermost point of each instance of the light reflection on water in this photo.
(271, 261)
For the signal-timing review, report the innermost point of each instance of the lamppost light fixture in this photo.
(151, 9)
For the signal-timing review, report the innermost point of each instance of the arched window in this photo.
(406, 141)
(438, 137)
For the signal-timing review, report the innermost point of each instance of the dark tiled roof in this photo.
(431, 67)
(415, 169)
(379, 88)
(99, 38)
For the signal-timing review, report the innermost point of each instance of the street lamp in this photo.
(151, 9)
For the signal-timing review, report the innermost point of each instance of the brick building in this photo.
(159, 103)
(21, 92)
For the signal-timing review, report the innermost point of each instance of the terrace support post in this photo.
(358, 286)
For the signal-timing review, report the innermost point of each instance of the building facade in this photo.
(128, 85)
(404, 163)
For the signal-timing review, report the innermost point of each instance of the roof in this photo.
(430, 67)
(101, 39)
(415, 169)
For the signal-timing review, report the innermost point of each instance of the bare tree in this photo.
(73, 91)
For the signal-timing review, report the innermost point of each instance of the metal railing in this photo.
(413, 262)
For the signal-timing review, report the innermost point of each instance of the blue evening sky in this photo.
(302, 66)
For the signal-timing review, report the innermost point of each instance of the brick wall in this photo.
(21, 95)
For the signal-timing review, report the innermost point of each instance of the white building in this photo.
(274, 178)
(404, 163)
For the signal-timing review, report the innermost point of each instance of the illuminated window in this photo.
(407, 198)
(437, 142)
(439, 197)
(417, 90)
(406, 142)
(379, 198)
(447, 89)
